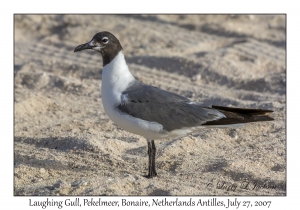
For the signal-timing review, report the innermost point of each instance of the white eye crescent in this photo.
(105, 40)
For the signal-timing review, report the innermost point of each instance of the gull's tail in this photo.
(240, 116)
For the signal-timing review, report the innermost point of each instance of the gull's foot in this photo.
(151, 175)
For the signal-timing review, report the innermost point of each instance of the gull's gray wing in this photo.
(139, 92)
(168, 109)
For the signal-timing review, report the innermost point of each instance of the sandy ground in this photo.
(66, 145)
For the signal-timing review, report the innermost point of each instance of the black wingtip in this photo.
(240, 115)
(243, 110)
(77, 49)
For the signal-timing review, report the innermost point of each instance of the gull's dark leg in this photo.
(151, 154)
(149, 157)
(153, 158)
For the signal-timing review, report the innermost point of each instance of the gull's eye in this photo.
(104, 40)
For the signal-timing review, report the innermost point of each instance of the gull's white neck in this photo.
(115, 79)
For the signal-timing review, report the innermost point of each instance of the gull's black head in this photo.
(105, 43)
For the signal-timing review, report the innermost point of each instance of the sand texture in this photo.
(65, 144)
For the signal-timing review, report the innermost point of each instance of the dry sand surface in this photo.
(65, 144)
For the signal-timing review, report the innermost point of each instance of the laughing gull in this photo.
(152, 112)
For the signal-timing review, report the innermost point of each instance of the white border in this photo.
(8, 201)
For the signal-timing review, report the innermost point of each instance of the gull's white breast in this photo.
(115, 79)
